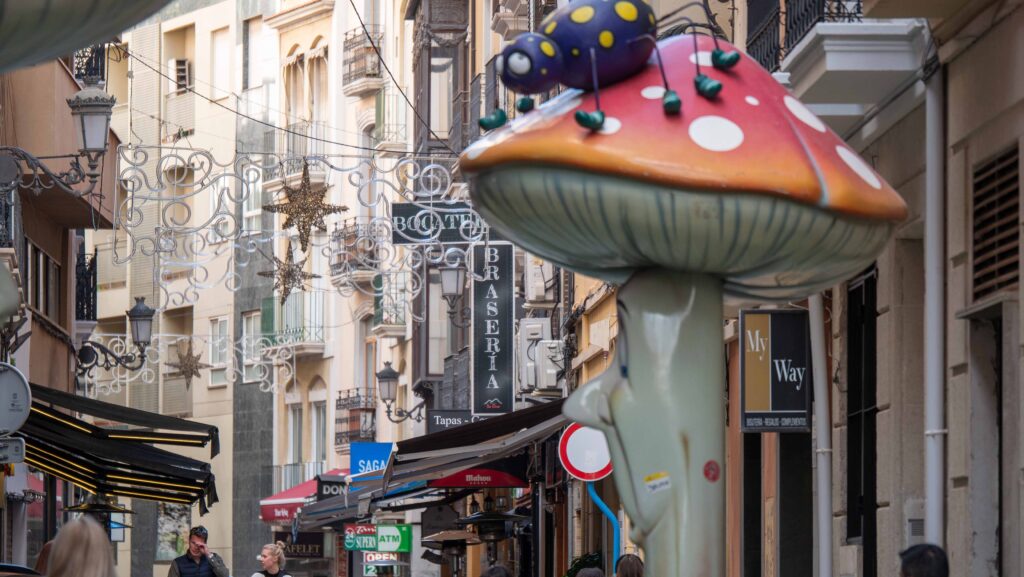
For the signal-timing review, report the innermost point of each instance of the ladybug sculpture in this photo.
(590, 44)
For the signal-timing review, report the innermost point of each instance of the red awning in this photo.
(281, 507)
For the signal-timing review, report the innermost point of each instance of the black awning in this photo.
(482, 431)
(135, 417)
(100, 462)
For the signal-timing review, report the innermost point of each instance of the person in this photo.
(272, 559)
(496, 571)
(629, 565)
(43, 560)
(925, 560)
(81, 549)
(198, 560)
(590, 572)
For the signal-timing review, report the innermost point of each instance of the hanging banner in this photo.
(493, 323)
(775, 371)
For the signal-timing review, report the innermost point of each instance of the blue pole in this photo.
(616, 529)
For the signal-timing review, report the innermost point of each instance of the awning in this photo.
(282, 507)
(354, 505)
(116, 462)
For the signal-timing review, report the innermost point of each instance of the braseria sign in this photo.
(381, 538)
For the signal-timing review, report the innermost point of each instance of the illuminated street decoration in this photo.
(188, 364)
(744, 193)
(305, 209)
(288, 275)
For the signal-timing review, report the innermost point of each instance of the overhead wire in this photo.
(257, 120)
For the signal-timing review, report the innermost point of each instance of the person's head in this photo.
(197, 540)
(924, 560)
(496, 571)
(629, 565)
(590, 572)
(81, 549)
(272, 557)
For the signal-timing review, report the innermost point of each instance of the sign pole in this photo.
(612, 518)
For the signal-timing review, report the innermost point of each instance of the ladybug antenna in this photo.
(670, 100)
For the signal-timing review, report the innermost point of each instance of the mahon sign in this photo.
(775, 371)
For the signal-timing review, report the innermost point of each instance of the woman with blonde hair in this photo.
(81, 549)
(272, 559)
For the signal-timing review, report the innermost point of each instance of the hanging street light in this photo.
(387, 384)
(94, 354)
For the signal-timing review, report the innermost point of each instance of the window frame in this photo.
(250, 344)
(219, 358)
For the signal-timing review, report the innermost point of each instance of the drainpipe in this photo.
(823, 434)
(934, 311)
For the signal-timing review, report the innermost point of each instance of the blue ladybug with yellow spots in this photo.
(590, 44)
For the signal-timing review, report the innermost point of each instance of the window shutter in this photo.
(996, 224)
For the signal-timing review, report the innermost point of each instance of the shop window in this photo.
(861, 412)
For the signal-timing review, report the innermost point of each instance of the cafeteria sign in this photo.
(775, 371)
(378, 538)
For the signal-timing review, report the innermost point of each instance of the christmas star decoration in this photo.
(188, 364)
(288, 275)
(305, 208)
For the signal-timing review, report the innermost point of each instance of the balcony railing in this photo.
(356, 399)
(85, 287)
(391, 125)
(358, 426)
(89, 64)
(768, 45)
(288, 475)
(354, 247)
(299, 140)
(458, 133)
(389, 301)
(300, 320)
(361, 60)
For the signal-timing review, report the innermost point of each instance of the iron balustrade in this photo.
(763, 38)
(390, 126)
(291, 474)
(354, 246)
(299, 140)
(85, 287)
(768, 43)
(89, 64)
(458, 133)
(356, 399)
(357, 426)
(803, 15)
(361, 60)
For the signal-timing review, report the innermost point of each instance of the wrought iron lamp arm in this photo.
(416, 413)
(93, 354)
(64, 181)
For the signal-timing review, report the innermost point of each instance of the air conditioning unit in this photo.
(538, 283)
(532, 331)
(550, 357)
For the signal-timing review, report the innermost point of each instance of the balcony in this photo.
(288, 475)
(510, 18)
(362, 70)
(354, 427)
(390, 302)
(12, 250)
(460, 130)
(291, 148)
(390, 130)
(356, 400)
(85, 287)
(354, 252)
(299, 324)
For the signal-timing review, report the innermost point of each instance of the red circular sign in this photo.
(584, 453)
(712, 471)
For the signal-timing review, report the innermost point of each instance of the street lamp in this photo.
(387, 383)
(93, 354)
(91, 107)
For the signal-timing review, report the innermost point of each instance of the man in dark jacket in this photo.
(198, 561)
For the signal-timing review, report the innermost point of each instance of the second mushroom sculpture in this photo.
(747, 194)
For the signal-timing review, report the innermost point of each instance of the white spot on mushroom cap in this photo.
(802, 114)
(653, 92)
(752, 101)
(716, 133)
(702, 57)
(857, 164)
(611, 125)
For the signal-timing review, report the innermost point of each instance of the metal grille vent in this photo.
(996, 222)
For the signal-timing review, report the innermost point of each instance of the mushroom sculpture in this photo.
(747, 194)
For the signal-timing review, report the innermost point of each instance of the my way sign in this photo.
(493, 316)
(775, 371)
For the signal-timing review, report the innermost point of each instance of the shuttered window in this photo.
(995, 224)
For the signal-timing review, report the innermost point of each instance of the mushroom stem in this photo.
(662, 410)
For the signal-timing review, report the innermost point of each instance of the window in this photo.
(220, 67)
(995, 212)
(318, 428)
(365, 361)
(179, 71)
(437, 326)
(252, 53)
(250, 346)
(861, 411)
(43, 281)
(370, 362)
(441, 78)
(253, 205)
(219, 335)
(295, 428)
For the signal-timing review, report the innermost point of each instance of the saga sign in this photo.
(775, 371)
(493, 318)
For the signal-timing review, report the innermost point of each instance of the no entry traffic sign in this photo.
(584, 453)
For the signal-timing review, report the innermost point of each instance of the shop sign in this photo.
(507, 472)
(328, 489)
(360, 537)
(305, 545)
(12, 450)
(15, 399)
(445, 222)
(444, 419)
(493, 319)
(371, 570)
(775, 371)
(369, 457)
(394, 538)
